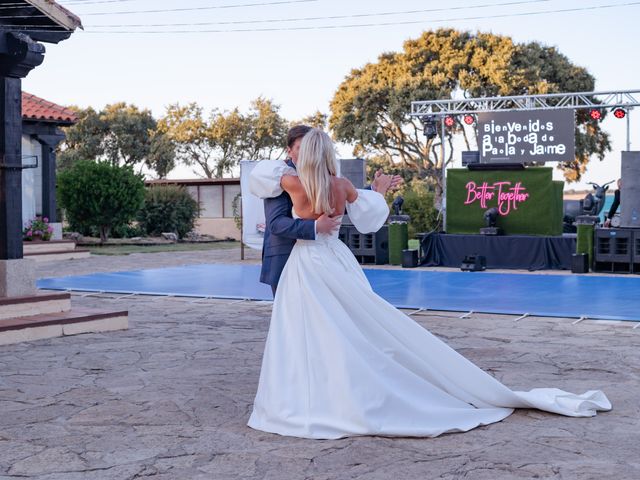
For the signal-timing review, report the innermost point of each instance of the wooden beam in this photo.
(10, 178)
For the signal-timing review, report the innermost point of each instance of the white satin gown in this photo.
(340, 361)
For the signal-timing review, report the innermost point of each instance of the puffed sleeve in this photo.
(368, 212)
(264, 180)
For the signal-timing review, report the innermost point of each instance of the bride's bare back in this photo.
(342, 191)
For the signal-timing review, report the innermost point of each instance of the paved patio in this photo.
(170, 397)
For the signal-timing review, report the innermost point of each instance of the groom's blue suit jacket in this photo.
(281, 232)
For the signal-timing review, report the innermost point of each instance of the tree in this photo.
(214, 146)
(372, 105)
(121, 134)
(101, 195)
(315, 120)
(129, 133)
(195, 138)
(266, 131)
(162, 155)
(82, 140)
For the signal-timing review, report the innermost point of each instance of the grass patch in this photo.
(173, 247)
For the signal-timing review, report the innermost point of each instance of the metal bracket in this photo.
(20, 166)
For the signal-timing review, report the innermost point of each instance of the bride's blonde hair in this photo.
(316, 165)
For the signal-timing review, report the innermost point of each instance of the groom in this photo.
(282, 230)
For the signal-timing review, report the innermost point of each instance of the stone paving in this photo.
(170, 397)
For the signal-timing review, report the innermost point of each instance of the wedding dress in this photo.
(341, 361)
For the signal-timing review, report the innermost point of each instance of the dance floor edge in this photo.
(572, 296)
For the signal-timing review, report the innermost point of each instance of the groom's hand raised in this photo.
(383, 183)
(327, 225)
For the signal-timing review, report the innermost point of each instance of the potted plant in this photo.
(38, 229)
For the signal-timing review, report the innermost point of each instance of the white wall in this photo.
(31, 179)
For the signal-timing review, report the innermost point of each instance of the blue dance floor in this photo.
(596, 297)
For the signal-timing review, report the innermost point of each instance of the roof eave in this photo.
(57, 13)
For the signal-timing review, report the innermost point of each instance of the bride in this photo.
(341, 361)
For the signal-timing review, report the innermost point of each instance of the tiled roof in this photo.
(36, 108)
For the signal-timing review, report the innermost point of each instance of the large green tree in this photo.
(371, 108)
(121, 134)
(266, 131)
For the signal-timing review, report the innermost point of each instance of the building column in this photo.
(19, 54)
(49, 144)
(10, 168)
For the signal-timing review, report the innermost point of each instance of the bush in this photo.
(98, 195)
(127, 231)
(168, 208)
(419, 205)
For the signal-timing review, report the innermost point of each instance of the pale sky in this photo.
(301, 69)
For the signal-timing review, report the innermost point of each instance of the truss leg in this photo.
(240, 301)
(579, 320)
(125, 296)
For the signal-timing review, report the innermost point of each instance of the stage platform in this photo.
(518, 252)
(559, 295)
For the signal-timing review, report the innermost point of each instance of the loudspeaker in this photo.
(613, 247)
(474, 263)
(409, 258)
(367, 247)
(579, 263)
(354, 170)
(630, 190)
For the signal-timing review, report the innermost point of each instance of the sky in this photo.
(299, 65)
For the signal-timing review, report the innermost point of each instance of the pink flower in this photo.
(29, 233)
(50, 229)
(45, 220)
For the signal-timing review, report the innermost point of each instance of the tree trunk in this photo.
(104, 233)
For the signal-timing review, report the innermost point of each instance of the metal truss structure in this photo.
(554, 101)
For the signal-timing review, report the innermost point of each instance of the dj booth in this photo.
(524, 252)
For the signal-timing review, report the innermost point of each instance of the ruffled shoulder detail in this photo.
(264, 181)
(368, 212)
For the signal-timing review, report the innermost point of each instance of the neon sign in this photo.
(507, 196)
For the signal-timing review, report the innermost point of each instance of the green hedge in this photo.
(168, 208)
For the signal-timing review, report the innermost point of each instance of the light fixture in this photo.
(468, 119)
(430, 127)
(595, 114)
(619, 112)
(449, 121)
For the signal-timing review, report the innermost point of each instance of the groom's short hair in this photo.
(295, 133)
